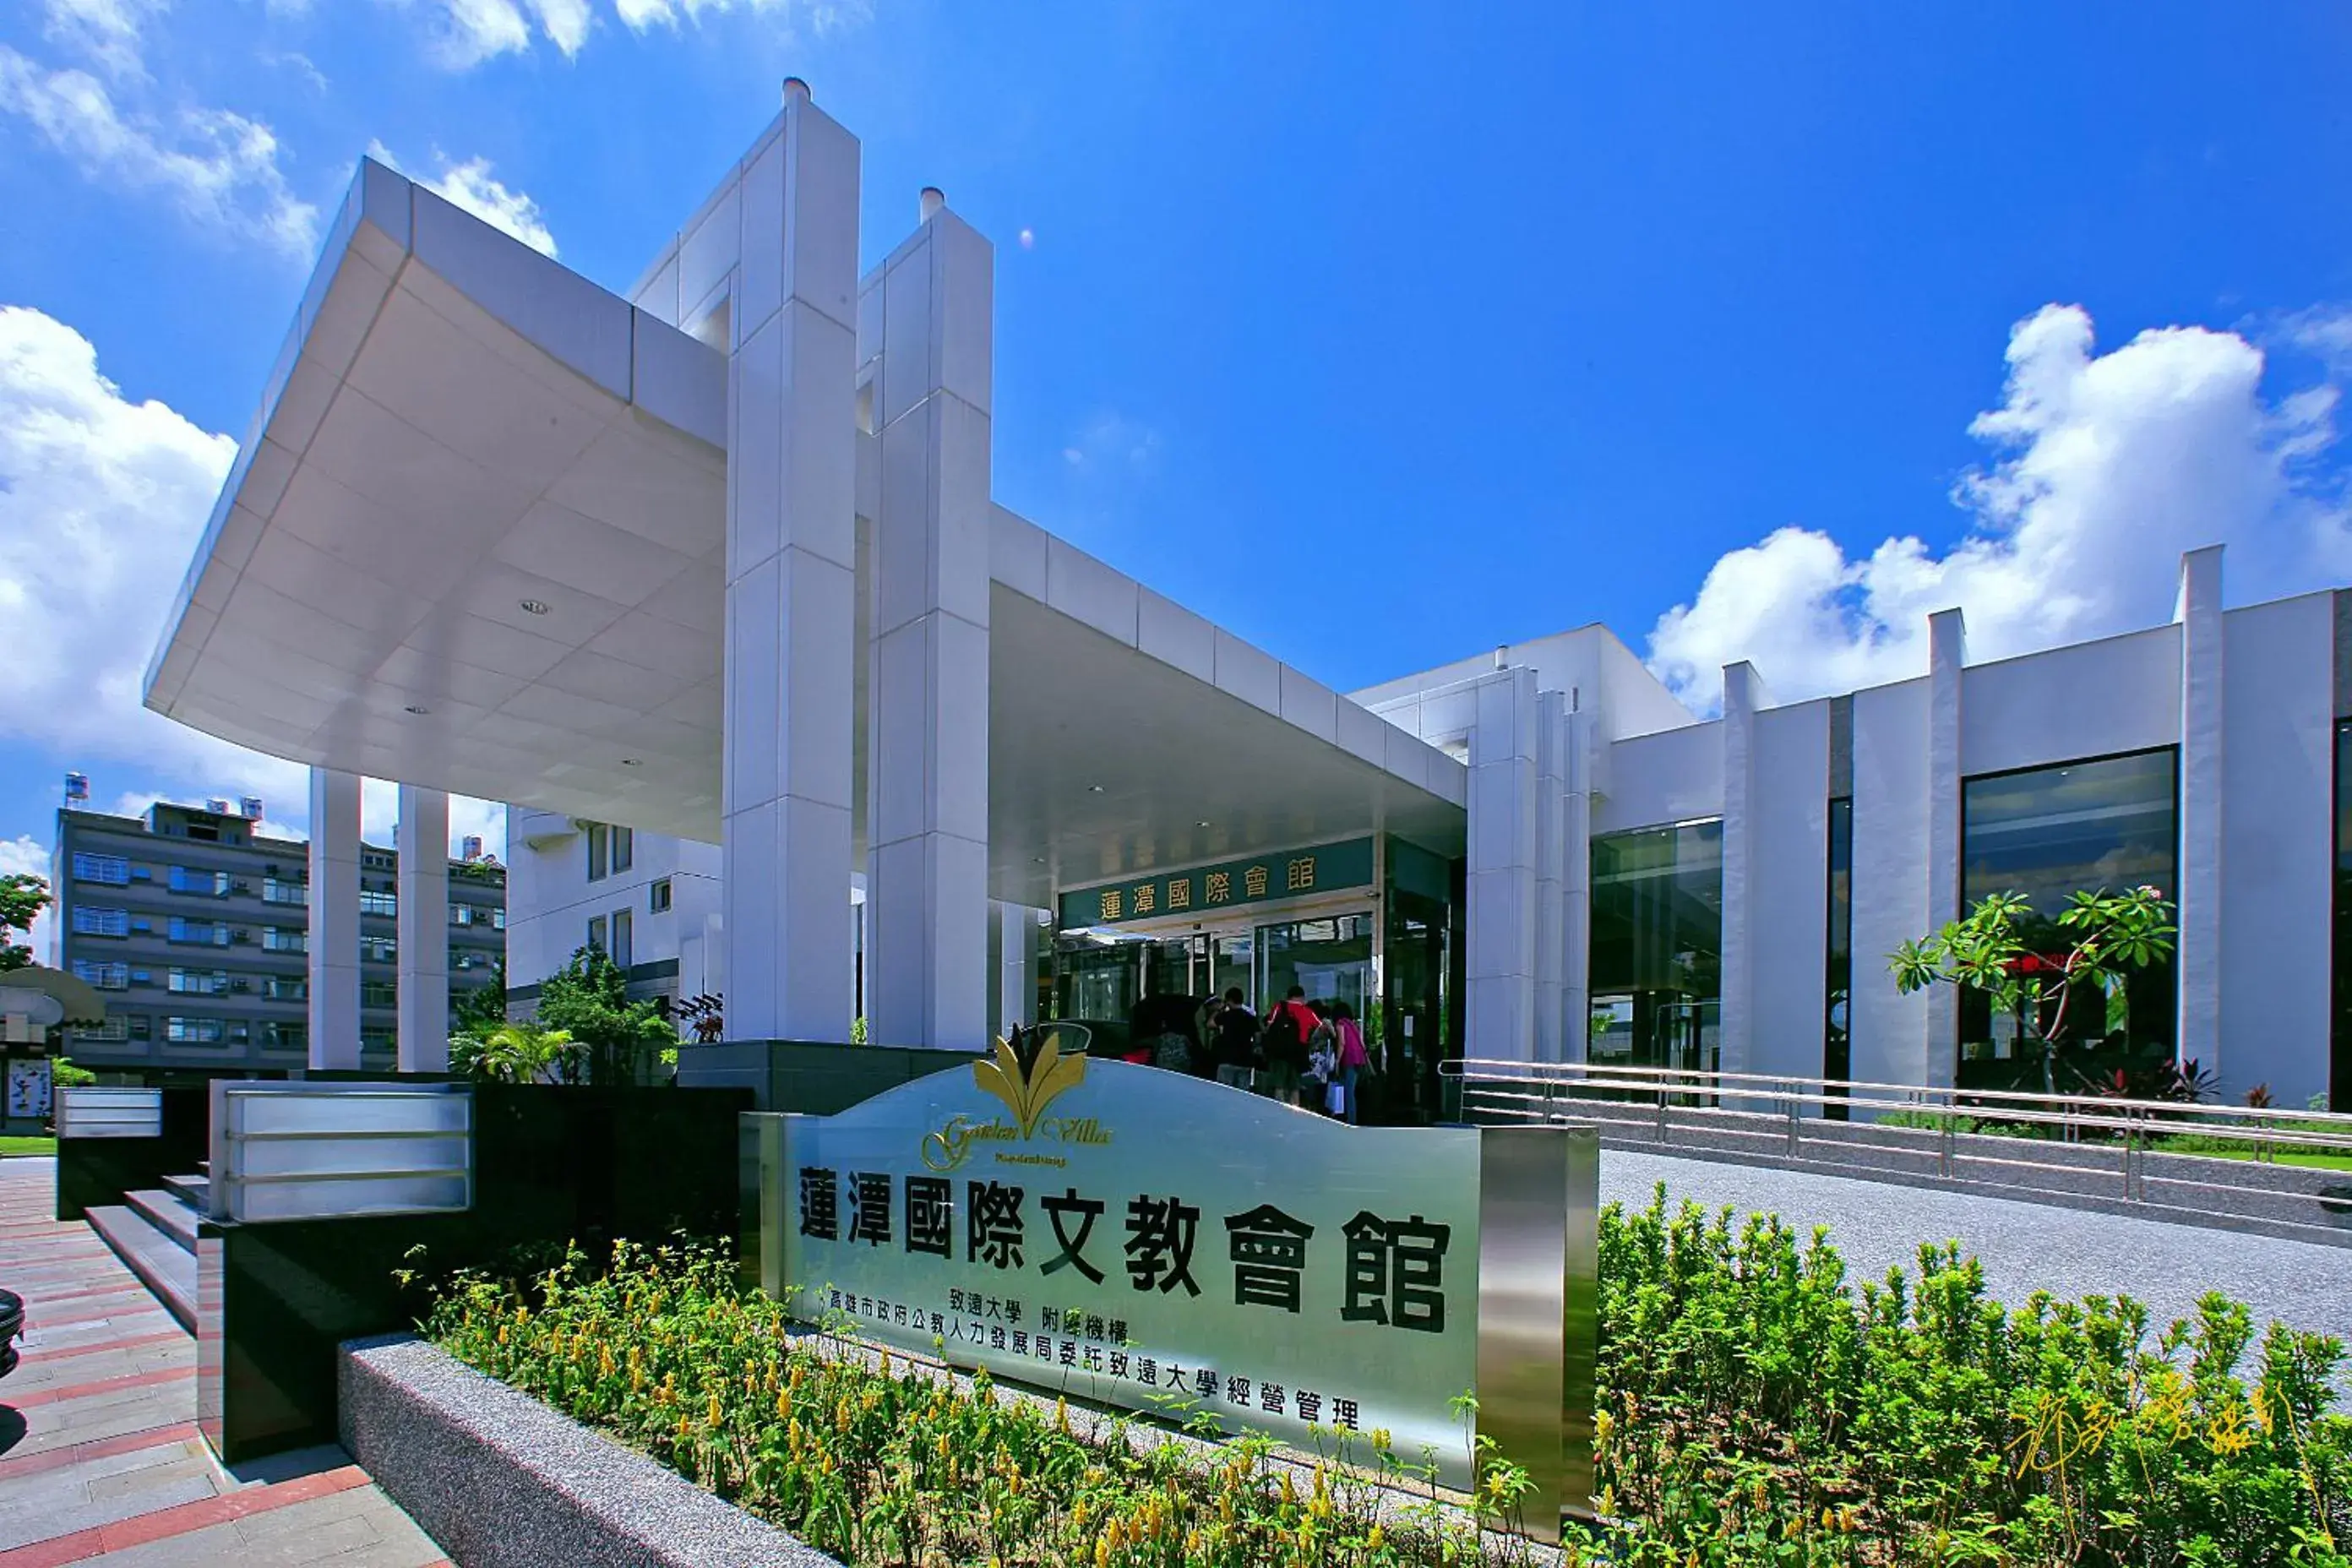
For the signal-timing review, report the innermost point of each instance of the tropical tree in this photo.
(588, 999)
(2030, 968)
(525, 1053)
(23, 897)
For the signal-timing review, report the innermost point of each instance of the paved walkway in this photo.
(99, 1450)
(2025, 1246)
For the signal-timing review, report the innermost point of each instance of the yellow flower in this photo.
(1608, 1502)
(1376, 1539)
(712, 1422)
(605, 1364)
(502, 1333)
(1602, 1425)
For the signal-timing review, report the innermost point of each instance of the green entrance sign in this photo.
(1201, 891)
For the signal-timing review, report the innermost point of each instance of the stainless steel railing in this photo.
(2055, 1145)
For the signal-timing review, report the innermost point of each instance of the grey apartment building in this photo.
(194, 929)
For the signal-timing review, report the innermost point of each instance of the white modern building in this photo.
(713, 571)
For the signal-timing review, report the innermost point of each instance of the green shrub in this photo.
(1755, 1408)
(899, 1465)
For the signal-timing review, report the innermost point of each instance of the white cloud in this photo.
(471, 187)
(108, 31)
(820, 17)
(2107, 468)
(103, 500)
(24, 854)
(216, 167)
(472, 31)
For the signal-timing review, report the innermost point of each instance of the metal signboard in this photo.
(1203, 890)
(299, 1150)
(1150, 1240)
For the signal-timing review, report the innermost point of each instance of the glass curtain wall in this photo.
(1657, 946)
(1837, 1042)
(2339, 1078)
(2103, 824)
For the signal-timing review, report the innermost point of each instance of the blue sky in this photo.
(1379, 337)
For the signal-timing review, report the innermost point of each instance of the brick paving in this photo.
(99, 1456)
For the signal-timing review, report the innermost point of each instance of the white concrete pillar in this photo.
(1743, 694)
(1551, 805)
(792, 584)
(333, 939)
(1576, 889)
(1948, 654)
(423, 927)
(1499, 942)
(2197, 953)
(928, 980)
(1012, 956)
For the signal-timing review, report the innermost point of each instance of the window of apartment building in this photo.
(104, 976)
(376, 1039)
(625, 848)
(204, 933)
(379, 993)
(372, 902)
(377, 860)
(114, 1031)
(2104, 823)
(600, 847)
(378, 950)
(1656, 953)
(197, 982)
(597, 935)
(90, 922)
(1837, 1039)
(286, 988)
(289, 1037)
(464, 915)
(498, 919)
(279, 891)
(658, 897)
(111, 870)
(280, 939)
(624, 937)
(189, 879)
(192, 1031)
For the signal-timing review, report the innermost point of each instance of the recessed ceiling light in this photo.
(1036, 860)
(1200, 825)
(413, 708)
(1093, 789)
(631, 762)
(536, 607)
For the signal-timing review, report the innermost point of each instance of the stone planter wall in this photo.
(502, 1481)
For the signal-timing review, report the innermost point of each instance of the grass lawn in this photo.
(2214, 1149)
(27, 1145)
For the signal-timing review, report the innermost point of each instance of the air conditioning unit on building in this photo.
(240, 887)
(240, 935)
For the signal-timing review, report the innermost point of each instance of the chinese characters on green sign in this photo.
(1203, 890)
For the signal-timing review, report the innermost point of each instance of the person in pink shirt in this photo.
(1352, 1056)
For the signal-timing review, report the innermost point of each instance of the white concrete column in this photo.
(1948, 654)
(1743, 694)
(928, 980)
(1551, 805)
(333, 939)
(1576, 889)
(1012, 956)
(1499, 942)
(792, 584)
(2197, 953)
(423, 927)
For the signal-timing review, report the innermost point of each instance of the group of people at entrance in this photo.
(1293, 1054)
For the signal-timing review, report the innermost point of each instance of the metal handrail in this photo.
(1735, 1101)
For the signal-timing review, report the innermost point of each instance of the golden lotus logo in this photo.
(1026, 1088)
(1027, 1092)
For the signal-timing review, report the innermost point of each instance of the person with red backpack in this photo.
(1291, 1026)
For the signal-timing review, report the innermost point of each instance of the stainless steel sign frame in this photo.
(1153, 1241)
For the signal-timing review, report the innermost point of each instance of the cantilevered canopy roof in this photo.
(476, 541)
(475, 538)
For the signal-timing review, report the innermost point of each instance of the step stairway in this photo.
(154, 1233)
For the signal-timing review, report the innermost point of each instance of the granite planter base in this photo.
(500, 1480)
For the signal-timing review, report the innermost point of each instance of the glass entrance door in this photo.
(1330, 959)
